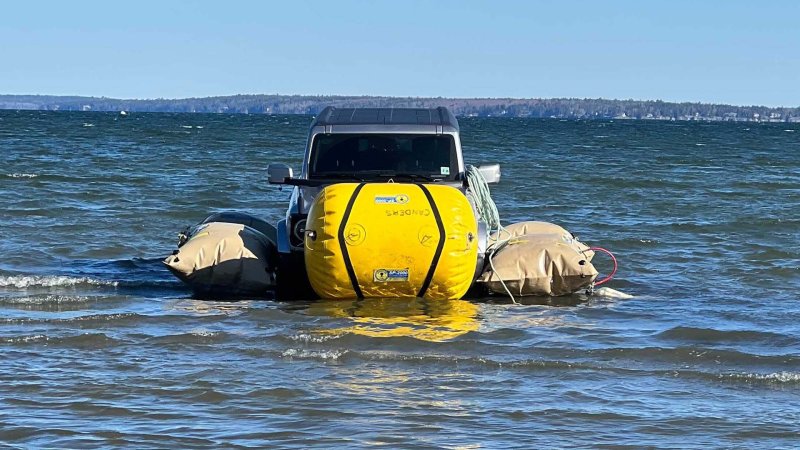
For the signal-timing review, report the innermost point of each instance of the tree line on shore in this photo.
(566, 108)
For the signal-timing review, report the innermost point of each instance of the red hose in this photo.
(613, 258)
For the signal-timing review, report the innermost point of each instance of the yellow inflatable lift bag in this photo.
(383, 240)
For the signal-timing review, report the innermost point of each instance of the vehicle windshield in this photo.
(365, 156)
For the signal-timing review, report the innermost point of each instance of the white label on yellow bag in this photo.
(390, 275)
(388, 199)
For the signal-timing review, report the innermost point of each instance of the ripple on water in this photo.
(21, 175)
(33, 281)
(83, 341)
(710, 335)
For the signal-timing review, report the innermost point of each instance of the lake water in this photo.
(101, 347)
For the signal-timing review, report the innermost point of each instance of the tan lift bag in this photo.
(224, 258)
(538, 258)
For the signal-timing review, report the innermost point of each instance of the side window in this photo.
(435, 156)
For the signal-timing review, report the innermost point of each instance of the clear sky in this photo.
(739, 52)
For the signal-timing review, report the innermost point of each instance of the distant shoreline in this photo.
(559, 108)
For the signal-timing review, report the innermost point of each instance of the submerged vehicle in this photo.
(421, 147)
(384, 206)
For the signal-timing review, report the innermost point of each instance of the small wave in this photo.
(22, 175)
(774, 378)
(88, 124)
(206, 333)
(789, 131)
(311, 354)
(100, 318)
(693, 355)
(768, 378)
(87, 340)
(23, 339)
(692, 334)
(313, 338)
(45, 300)
(194, 337)
(440, 359)
(32, 281)
(91, 319)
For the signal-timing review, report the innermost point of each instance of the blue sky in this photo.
(739, 52)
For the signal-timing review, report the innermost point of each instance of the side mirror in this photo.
(491, 172)
(277, 173)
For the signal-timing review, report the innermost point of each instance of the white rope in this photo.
(487, 209)
(483, 199)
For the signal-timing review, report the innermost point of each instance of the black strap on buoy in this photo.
(343, 245)
(439, 247)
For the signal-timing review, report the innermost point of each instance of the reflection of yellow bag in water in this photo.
(375, 240)
(427, 320)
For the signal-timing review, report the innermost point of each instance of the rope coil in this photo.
(487, 209)
(483, 199)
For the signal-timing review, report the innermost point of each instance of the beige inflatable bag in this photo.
(227, 258)
(538, 258)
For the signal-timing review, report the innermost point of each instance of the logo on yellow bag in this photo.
(390, 275)
(355, 234)
(399, 199)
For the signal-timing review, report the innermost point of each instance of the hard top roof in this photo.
(386, 116)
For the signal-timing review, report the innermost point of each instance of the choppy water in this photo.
(100, 346)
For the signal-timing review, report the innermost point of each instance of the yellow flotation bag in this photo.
(380, 240)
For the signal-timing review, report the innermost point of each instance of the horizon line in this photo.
(401, 97)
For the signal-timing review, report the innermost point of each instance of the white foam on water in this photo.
(610, 293)
(205, 333)
(88, 124)
(30, 281)
(44, 300)
(313, 338)
(24, 339)
(789, 131)
(776, 377)
(311, 354)
(22, 175)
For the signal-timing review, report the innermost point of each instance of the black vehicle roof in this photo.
(386, 116)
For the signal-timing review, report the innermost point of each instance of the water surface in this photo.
(100, 346)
